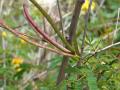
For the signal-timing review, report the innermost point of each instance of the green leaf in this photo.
(92, 81)
(55, 61)
(78, 85)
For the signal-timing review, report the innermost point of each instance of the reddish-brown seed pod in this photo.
(38, 29)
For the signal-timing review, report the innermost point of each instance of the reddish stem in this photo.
(38, 29)
(20, 35)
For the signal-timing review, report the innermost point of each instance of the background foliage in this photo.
(22, 68)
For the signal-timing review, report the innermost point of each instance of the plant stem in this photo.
(61, 75)
(75, 19)
(20, 35)
(107, 47)
(72, 33)
(61, 19)
(54, 26)
(91, 54)
(38, 29)
(84, 34)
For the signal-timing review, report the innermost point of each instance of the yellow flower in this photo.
(85, 6)
(17, 61)
(4, 34)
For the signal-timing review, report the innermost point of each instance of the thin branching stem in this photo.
(20, 35)
(72, 34)
(75, 19)
(91, 54)
(38, 29)
(60, 15)
(54, 26)
(107, 47)
(84, 34)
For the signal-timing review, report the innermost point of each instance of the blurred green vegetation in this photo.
(100, 71)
